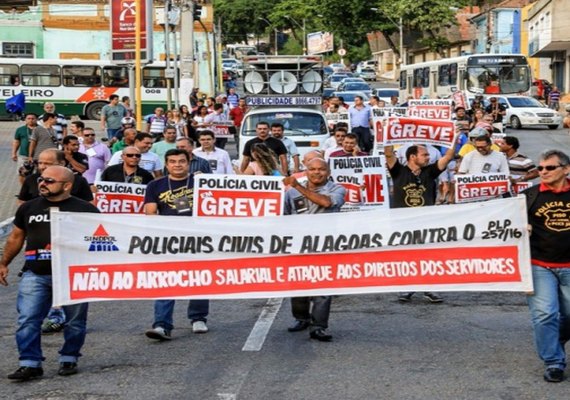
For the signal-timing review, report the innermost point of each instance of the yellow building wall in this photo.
(533, 62)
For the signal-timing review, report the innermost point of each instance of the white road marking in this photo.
(261, 328)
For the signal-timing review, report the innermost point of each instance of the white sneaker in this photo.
(199, 327)
(158, 333)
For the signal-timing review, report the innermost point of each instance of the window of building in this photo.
(18, 49)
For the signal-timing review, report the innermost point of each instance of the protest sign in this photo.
(335, 118)
(237, 195)
(518, 187)
(379, 117)
(119, 198)
(106, 257)
(223, 129)
(460, 100)
(364, 179)
(404, 130)
(480, 187)
(430, 109)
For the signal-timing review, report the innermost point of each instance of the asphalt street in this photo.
(473, 346)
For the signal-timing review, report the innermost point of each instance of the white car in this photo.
(527, 111)
(385, 94)
(348, 97)
(335, 79)
(368, 74)
(338, 67)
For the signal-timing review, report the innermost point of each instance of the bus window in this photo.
(453, 74)
(443, 75)
(116, 76)
(403, 80)
(153, 77)
(41, 75)
(9, 75)
(79, 75)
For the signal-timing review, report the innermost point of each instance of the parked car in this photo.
(385, 94)
(348, 97)
(527, 111)
(352, 79)
(368, 74)
(232, 65)
(335, 79)
(356, 87)
(338, 67)
(327, 92)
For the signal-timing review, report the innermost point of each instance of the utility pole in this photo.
(186, 51)
(167, 7)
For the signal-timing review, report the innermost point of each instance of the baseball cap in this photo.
(478, 131)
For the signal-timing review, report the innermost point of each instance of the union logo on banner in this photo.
(101, 241)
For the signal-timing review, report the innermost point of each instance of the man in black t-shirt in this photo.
(415, 185)
(276, 145)
(172, 195)
(548, 207)
(128, 171)
(32, 228)
(47, 158)
(74, 160)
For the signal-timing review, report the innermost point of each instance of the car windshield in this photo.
(296, 123)
(368, 70)
(348, 97)
(356, 86)
(520, 102)
(337, 78)
(387, 93)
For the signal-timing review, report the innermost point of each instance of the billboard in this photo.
(123, 14)
(320, 42)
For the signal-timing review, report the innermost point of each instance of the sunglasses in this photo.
(48, 181)
(88, 134)
(548, 167)
(133, 155)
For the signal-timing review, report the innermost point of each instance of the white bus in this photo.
(483, 74)
(76, 87)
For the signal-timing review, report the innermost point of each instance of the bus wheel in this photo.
(515, 122)
(93, 110)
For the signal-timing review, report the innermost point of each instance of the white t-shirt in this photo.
(476, 163)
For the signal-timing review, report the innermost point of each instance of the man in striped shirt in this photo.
(521, 167)
(554, 99)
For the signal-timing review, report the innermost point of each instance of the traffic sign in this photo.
(341, 52)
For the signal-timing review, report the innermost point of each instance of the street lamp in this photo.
(304, 28)
(400, 26)
(276, 32)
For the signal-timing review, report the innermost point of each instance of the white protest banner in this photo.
(478, 187)
(460, 247)
(119, 198)
(498, 138)
(335, 118)
(222, 129)
(364, 179)
(419, 131)
(430, 109)
(237, 195)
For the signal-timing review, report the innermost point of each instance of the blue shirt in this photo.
(359, 117)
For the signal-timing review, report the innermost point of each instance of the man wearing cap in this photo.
(473, 134)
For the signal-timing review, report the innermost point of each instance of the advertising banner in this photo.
(469, 188)
(460, 247)
(364, 179)
(123, 15)
(320, 42)
(238, 196)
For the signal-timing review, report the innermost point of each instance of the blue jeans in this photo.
(56, 315)
(111, 133)
(163, 310)
(550, 312)
(34, 301)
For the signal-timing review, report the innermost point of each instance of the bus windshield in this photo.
(296, 123)
(498, 79)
